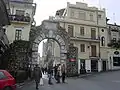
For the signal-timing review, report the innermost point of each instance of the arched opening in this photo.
(48, 52)
(102, 41)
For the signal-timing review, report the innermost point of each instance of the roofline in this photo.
(22, 2)
(113, 24)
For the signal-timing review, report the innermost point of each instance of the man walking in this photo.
(50, 75)
(37, 75)
(59, 74)
(63, 70)
(55, 70)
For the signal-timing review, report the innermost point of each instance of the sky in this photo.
(46, 8)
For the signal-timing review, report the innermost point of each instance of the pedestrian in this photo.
(42, 70)
(45, 70)
(55, 71)
(59, 74)
(63, 70)
(50, 75)
(37, 75)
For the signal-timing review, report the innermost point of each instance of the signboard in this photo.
(72, 60)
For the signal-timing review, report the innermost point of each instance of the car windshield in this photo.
(2, 75)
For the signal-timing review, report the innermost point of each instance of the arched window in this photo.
(102, 41)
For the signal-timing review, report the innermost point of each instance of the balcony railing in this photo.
(84, 38)
(19, 18)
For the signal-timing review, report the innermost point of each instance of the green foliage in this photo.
(114, 44)
(18, 55)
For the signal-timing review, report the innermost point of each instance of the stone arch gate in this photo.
(52, 30)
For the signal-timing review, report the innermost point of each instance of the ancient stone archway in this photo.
(52, 30)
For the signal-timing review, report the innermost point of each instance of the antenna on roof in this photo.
(114, 20)
(99, 4)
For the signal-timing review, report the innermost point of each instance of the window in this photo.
(70, 30)
(72, 13)
(20, 12)
(91, 17)
(93, 50)
(116, 61)
(82, 47)
(102, 41)
(18, 34)
(102, 30)
(99, 16)
(82, 15)
(93, 33)
(114, 39)
(82, 31)
(71, 44)
(2, 76)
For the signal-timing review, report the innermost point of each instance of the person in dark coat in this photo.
(37, 75)
(55, 70)
(50, 75)
(63, 70)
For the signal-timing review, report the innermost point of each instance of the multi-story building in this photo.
(87, 29)
(21, 17)
(4, 21)
(114, 45)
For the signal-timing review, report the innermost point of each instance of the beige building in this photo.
(88, 32)
(21, 17)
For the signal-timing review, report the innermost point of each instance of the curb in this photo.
(94, 73)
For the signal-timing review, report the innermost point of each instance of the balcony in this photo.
(19, 19)
(84, 38)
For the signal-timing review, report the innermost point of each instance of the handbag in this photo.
(41, 81)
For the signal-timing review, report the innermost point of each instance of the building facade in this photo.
(21, 13)
(4, 21)
(87, 29)
(21, 17)
(114, 45)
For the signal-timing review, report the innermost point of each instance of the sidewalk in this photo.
(95, 73)
(20, 85)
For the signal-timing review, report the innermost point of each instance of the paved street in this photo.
(104, 81)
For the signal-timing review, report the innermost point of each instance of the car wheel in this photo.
(7, 88)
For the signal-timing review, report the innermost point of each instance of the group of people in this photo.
(58, 72)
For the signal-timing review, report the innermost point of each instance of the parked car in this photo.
(7, 82)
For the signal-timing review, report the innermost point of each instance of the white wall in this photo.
(88, 65)
(10, 31)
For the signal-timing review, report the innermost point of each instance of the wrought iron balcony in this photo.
(19, 18)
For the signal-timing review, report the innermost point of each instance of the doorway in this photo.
(104, 65)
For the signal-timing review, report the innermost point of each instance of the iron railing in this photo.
(19, 18)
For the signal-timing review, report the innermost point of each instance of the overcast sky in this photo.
(46, 8)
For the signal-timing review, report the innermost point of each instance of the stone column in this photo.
(99, 65)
